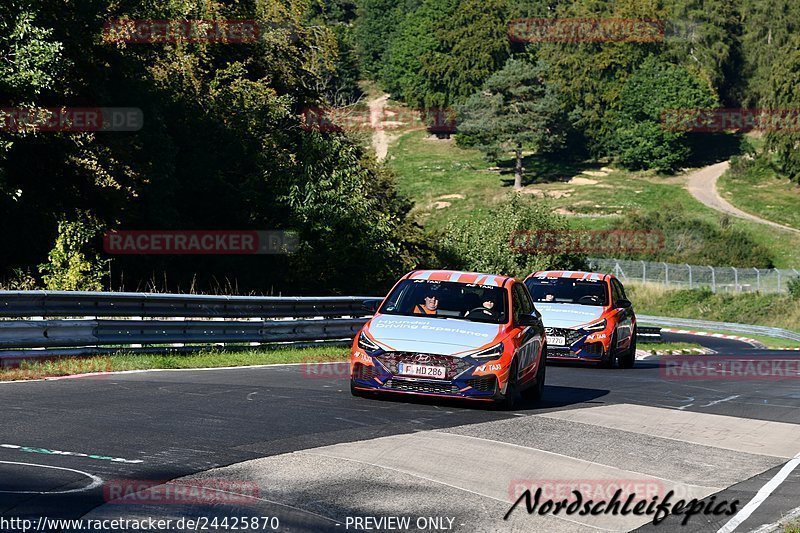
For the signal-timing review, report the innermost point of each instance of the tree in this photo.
(641, 140)
(417, 42)
(516, 110)
(591, 72)
(473, 45)
(445, 50)
(222, 148)
(783, 96)
(377, 22)
(767, 29)
(705, 37)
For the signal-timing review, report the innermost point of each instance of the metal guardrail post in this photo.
(736, 279)
(666, 274)
(758, 279)
(644, 272)
(713, 279)
(690, 275)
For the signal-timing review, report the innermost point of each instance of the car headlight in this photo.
(366, 344)
(493, 352)
(597, 326)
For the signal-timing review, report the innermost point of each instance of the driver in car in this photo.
(429, 307)
(487, 309)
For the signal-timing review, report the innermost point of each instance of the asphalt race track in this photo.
(316, 458)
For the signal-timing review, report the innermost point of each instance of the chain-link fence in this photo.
(717, 278)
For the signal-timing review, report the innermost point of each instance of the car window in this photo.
(568, 291)
(524, 298)
(616, 295)
(522, 301)
(453, 300)
(516, 303)
(621, 288)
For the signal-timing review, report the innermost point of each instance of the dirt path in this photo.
(380, 140)
(702, 184)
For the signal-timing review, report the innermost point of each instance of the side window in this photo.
(615, 294)
(527, 302)
(522, 302)
(620, 288)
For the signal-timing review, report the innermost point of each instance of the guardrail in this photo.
(93, 320)
(88, 321)
(719, 326)
(646, 334)
(117, 304)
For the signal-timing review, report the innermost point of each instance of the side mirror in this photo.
(370, 305)
(528, 320)
(624, 304)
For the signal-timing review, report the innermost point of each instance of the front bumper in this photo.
(580, 345)
(378, 372)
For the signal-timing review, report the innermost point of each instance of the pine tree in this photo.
(515, 111)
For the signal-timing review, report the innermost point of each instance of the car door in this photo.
(624, 327)
(529, 345)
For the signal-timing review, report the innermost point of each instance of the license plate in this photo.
(422, 371)
(556, 341)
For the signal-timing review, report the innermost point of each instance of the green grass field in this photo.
(447, 182)
(763, 193)
(671, 348)
(759, 309)
(206, 359)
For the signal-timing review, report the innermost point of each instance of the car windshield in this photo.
(568, 291)
(444, 299)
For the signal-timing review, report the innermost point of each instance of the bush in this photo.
(483, 243)
(21, 280)
(70, 266)
(647, 144)
(641, 141)
(794, 288)
(688, 239)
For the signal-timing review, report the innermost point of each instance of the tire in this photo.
(512, 396)
(608, 360)
(355, 392)
(536, 391)
(629, 359)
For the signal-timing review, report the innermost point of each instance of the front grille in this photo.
(364, 372)
(563, 352)
(593, 348)
(421, 386)
(483, 383)
(572, 335)
(453, 365)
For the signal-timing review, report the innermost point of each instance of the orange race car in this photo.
(452, 334)
(587, 317)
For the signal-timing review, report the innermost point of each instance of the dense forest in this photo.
(223, 145)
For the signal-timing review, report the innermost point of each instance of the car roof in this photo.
(460, 277)
(573, 274)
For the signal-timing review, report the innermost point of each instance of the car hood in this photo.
(431, 335)
(568, 315)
